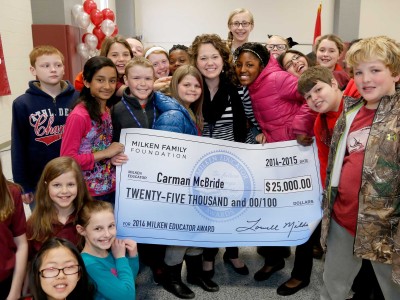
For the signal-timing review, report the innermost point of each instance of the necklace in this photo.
(134, 117)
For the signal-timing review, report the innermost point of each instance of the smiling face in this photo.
(49, 69)
(59, 287)
(241, 25)
(295, 64)
(276, 46)
(189, 90)
(247, 68)
(328, 54)
(160, 64)
(374, 80)
(323, 97)
(136, 46)
(99, 233)
(140, 81)
(178, 58)
(63, 190)
(209, 61)
(120, 56)
(103, 84)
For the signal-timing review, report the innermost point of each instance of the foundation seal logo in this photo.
(238, 186)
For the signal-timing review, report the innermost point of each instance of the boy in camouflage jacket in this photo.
(362, 196)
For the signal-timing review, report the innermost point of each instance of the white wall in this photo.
(16, 36)
(178, 21)
(380, 18)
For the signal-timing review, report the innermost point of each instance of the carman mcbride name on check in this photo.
(197, 181)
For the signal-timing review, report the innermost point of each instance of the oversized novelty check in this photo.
(178, 189)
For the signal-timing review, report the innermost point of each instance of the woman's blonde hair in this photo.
(197, 106)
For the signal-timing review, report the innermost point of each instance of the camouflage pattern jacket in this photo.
(377, 234)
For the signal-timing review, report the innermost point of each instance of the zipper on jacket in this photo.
(146, 118)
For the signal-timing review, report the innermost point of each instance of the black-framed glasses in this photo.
(53, 272)
(244, 24)
(289, 64)
(280, 47)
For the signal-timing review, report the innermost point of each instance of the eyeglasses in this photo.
(280, 47)
(53, 272)
(289, 64)
(244, 24)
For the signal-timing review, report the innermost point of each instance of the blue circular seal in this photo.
(210, 199)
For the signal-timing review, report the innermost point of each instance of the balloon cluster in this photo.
(103, 22)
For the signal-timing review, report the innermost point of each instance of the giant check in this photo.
(187, 190)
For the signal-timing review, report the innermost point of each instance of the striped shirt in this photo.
(223, 128)
(248, 110)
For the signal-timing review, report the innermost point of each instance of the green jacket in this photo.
(377, 234)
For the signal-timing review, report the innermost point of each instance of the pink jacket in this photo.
(280, 110)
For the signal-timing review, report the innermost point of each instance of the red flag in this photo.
(317, 30)
(4, 85)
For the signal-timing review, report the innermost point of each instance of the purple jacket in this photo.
(279, 109)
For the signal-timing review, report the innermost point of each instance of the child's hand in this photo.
(27, 198)
(118, 248)
(114, 149)
(119, 159)
(304, 139)
(162, 83)
(131, 246)
(261, 139)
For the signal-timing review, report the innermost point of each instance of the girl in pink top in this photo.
(88, 130)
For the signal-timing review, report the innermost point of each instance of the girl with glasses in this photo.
(58, 273)
(276, 45)
(240, 24)
(294, 62)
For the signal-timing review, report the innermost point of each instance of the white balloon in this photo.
(93, 53)
(108, 27)
(76, 9)
(91, 40)
(83, 20)
(83, 50)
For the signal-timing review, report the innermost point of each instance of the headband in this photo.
(255, 53)
(153, 49)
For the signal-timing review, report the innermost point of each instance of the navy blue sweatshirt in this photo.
(38, 122)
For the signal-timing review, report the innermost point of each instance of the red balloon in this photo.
(108, 14)
(115, 31)
(99, 43)
(83, 36)
(99, 34)
(96, 17)
(89, 5)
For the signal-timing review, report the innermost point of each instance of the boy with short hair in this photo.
(361, 200)
(321, 91)
(38, 118)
